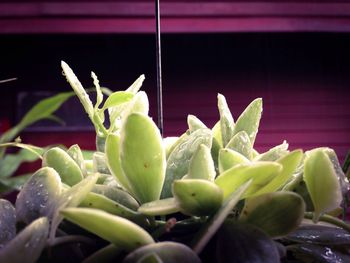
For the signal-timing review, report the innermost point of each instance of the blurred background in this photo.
(293, 54)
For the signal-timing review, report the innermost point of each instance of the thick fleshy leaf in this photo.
(260, 173)
(112, 152)
(28, 244)
(194, 123)
(305, 253)
(7, 222)
(230, 158)
(274, 153)
(226, 120)
(216, 130)
(249, 120)
(322, 182)
(117, 230)
(116, 194)
(175, 143)
(117, 98)
(277, 214)
(168, 143)
(169, 252)
(72, 197)
(290, 163)
(344, 182)
(150, 258)
(142, 157)
(97, 201)
(202, 165)
(209, 229)
(240, 142)
(319, 234)
(100, 165)
(67, 168)
(249, 244)
(179, 159)
(160, 207)
(77, 155)
(39, 195)
(197, 197)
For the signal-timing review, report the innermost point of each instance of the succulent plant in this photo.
(205, 196)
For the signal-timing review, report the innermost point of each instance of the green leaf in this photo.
(197, 197)
(117, 194)
(142, 157)
(240, 142)
(249, 120)
(66, 167)
(117, 230)
(209, 229)
(13, 183)
(117, 98)
(194, 123)
(33, 149)
(28, 245)
(78, 89)
(229, 158)
(100, 163)
(216, 130)
(160, 207)
(277, 214)
(169, 252)
(322, 182)
(112, 152)
(249, 244)
(226, 120)
(39, 195)
(77, 155)
(41, 110)
(150, 258)
(10, 163)
(135, 87)
(290, 163)
(260, 173)
(202, 165)
(179, 159)
(274, 153)
(98, 201)
(8, 222)
(71, 198)
(99, 94)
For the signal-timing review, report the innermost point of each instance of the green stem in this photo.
(329, 219)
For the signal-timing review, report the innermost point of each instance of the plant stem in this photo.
(329, 219)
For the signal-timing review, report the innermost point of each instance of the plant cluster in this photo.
(205, 196)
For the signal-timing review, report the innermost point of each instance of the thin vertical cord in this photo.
(159, 70)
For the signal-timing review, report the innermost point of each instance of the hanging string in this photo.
(159, 69)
